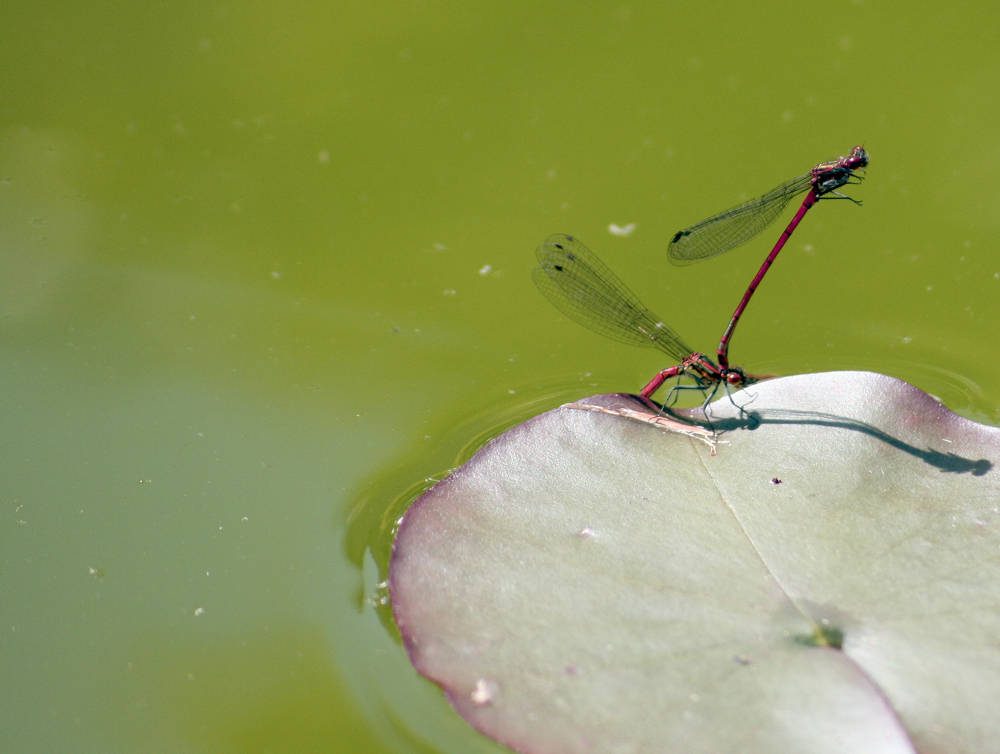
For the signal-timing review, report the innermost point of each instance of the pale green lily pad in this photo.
(827, 581)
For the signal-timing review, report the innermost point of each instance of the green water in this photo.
(265, 268)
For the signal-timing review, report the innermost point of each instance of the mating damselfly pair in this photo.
(586, 290)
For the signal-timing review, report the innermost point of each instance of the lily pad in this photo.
(823, 579)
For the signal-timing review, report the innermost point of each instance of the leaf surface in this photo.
(827, 581)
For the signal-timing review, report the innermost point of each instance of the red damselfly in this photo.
(583, 288)
(736, 226)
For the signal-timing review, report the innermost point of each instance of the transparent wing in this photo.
(583, 288)
(734, 227)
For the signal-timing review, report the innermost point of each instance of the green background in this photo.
(265, 269)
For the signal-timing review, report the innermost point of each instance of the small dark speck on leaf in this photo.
(823, 636)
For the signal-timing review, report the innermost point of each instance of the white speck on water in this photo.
(621, 230)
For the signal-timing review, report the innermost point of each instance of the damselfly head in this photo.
(827, 177)
(858, 158)
(737, 377)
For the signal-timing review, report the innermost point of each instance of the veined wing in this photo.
(583, 288)
(734, 227)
